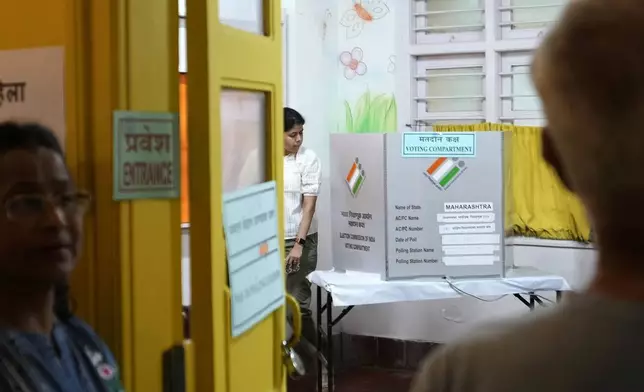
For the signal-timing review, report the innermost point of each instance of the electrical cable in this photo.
(453, 286)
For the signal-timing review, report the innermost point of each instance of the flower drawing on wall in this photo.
(391, 68)
(353, 64)
(362, 12)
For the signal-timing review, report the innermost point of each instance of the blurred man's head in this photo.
(589, 73)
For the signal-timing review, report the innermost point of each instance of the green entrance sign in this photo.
(146, 155)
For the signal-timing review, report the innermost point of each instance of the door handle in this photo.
(292, 361)
(294, 364)
(296, 312)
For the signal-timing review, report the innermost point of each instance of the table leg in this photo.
(523, 300)
(559, 293)
(318, 342)
(329, 339)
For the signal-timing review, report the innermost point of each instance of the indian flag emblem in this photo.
(443, 171)
(355, 178)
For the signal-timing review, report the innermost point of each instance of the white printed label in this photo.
(469, 207)
(467, 228)
(459, 250)
(470, 260)
(472, 239)
(483, 217)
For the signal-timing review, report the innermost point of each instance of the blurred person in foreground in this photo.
(43, 347)
(589, 73)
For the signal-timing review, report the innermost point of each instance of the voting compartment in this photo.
(419, 205)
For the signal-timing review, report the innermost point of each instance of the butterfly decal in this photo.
(362, 12)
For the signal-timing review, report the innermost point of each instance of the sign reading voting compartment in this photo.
(437, 145)
(438, 214)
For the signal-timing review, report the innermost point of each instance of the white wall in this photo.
(311, 31)
(314, 43)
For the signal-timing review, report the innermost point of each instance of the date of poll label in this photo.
(439, 145)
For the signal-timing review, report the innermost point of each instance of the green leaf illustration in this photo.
(375, 115)
(383, 114)
(390, 123)
(362, 112)
(348, 117)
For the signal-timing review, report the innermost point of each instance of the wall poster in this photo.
(32, 87)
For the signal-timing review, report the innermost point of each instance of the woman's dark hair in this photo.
(30, 136)
(27, 136)
(292, 118)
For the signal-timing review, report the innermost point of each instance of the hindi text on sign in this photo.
(12, 92)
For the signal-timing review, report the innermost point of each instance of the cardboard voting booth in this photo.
(419, 204)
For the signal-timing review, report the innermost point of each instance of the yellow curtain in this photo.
(537, 204)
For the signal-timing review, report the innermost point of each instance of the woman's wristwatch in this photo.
(300, 241)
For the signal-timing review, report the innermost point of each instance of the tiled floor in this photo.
(361, 380)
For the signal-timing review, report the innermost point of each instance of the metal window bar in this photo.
(480, 117)
(512, 96)
(425, 125)
(441, 67)
(526, 22)
(448, 97)
(448, 75)
(512, 73)
(512, 118)
(452, 27)
(472, 115)
(529, 7)
(447, 12)
(450, 119)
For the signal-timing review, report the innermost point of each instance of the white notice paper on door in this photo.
(253, 249)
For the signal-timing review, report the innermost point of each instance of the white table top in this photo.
(359, 288)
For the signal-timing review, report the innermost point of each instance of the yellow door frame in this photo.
(220, 57)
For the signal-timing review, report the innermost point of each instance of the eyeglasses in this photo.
(28, 207)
